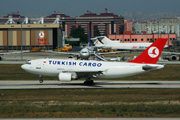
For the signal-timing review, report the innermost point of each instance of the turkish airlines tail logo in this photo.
(152, 53)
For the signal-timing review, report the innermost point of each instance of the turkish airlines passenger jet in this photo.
(67, 70)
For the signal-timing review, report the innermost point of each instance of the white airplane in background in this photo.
(67, 70)
(88, 51)
(106, 43)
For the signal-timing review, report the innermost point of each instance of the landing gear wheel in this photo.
(41, 80)
(89, 82)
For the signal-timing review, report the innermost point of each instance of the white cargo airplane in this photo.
(68, 70)
(106, 43)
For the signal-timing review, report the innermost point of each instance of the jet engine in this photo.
(170, 58)
(67, 76)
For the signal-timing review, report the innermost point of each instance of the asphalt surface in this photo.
(100, 84)
(97, 119)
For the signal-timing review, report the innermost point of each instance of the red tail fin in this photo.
(152, 53)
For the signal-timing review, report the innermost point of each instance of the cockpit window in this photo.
(28, 62)
(84, 52)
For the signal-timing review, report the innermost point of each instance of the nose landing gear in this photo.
(41, 79)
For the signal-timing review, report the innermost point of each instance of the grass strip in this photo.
(84, 111)
(80, 103)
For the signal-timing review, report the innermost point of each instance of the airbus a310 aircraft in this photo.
(67, 70)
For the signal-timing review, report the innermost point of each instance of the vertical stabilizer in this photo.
(152, 53)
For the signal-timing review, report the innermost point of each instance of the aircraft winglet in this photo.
(152, 53)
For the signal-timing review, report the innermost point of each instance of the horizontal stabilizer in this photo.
(152, 67)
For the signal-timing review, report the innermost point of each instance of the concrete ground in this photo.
(78, 84)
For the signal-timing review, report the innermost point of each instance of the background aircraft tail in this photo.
(152, 53)
(98, 41)
(103, 41)
(107, 41)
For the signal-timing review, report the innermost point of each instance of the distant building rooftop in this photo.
(100, 15)
(16, 18)
(14, 15)
(89, 15)
(57, 14)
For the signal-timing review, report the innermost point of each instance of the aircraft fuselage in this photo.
(100, 69)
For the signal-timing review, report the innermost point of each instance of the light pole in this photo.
(146, 31)
(158, 28)
(21, 39)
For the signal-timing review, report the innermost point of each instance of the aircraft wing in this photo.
(7, 53)
(105, 53)
(99, 57)
(151, 67)
(102, 58)
(66, 53)
(82, 74)
(104, 47)
(172, 53)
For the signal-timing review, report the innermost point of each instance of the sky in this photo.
(79, 7)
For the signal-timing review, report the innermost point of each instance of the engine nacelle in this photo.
(170, 58)
(67, 76)
(173, 57)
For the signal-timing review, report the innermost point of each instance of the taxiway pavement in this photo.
(96, 119)
(99, 84)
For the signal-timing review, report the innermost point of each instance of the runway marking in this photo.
(99, 84)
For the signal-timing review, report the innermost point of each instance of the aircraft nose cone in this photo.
(23, 67)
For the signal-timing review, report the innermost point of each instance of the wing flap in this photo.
(84, 74)
(65, 53)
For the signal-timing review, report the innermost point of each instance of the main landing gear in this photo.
(88, 81)
(41, 79)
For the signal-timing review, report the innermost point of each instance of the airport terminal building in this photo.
(33, 35)
(46, 32)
